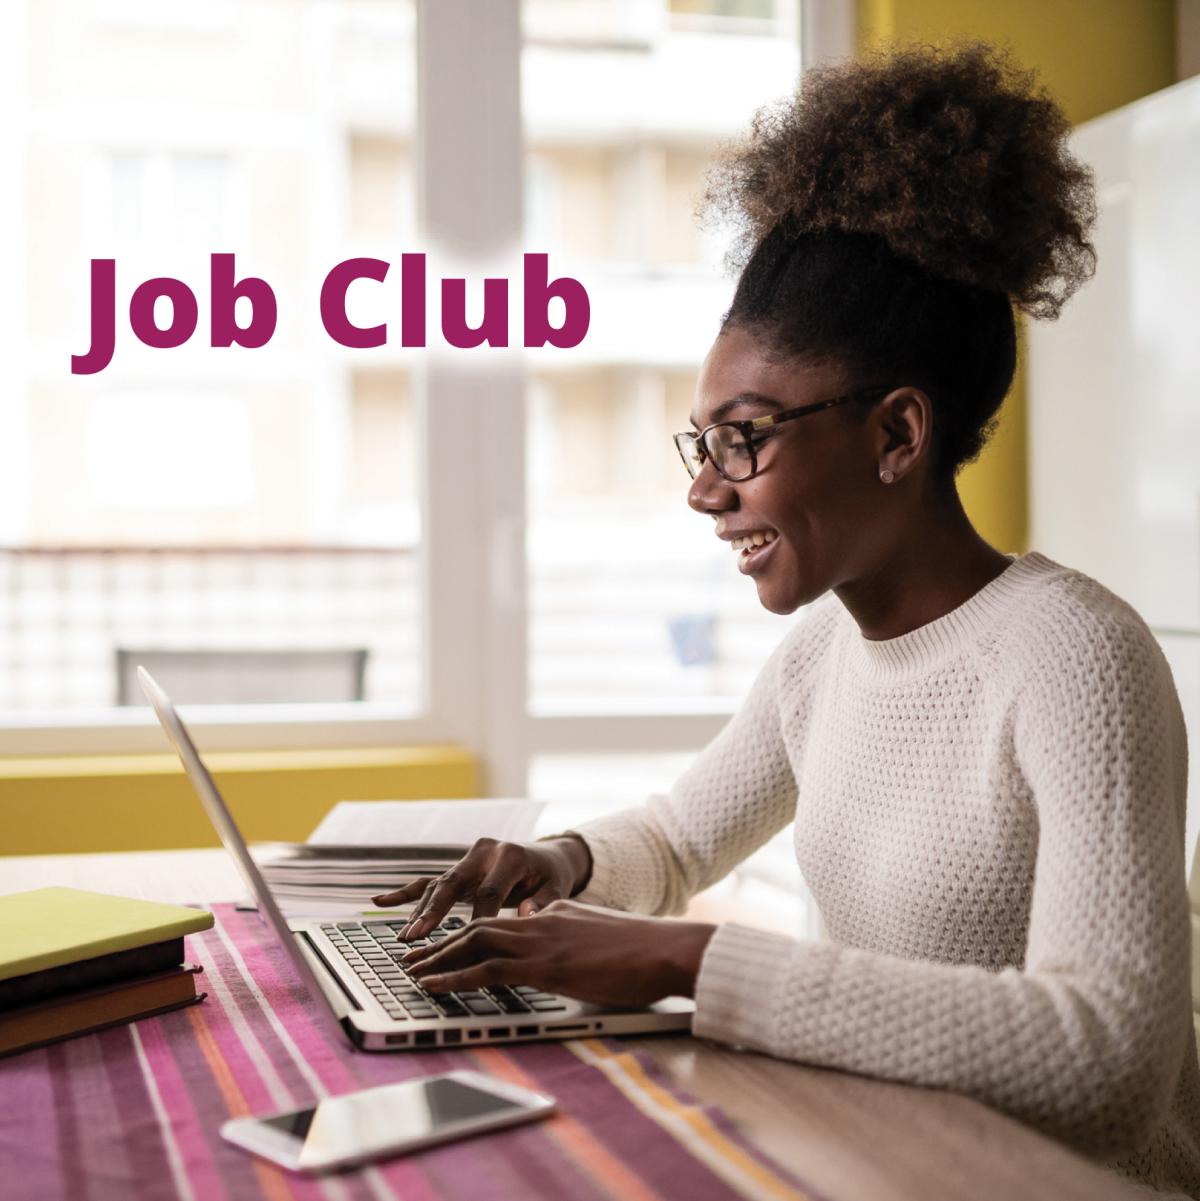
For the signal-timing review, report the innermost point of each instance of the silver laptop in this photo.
(351, 967)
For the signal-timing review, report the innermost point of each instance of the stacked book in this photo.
(363, 848)
(73, 961)
(330, 880)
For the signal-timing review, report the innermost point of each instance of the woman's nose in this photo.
(711, 492)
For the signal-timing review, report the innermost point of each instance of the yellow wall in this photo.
(144, 802)
(1094, 56)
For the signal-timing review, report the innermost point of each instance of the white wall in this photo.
(1114, 388)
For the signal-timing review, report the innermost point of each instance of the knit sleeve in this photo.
(1085, 1040)
(734, 797)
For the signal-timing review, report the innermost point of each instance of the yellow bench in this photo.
(144, 802)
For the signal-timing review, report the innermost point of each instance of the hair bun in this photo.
(955, 158)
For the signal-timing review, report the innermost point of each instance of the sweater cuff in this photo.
(744, 986)
(600, 883)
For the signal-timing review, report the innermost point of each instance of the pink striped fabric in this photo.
(133, 1112)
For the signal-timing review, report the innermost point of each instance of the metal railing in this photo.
(65, 612)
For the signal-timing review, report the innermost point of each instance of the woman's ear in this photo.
(904, 425)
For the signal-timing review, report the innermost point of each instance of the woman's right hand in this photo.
(495, 875)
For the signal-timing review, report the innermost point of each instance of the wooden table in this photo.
(849, 1137)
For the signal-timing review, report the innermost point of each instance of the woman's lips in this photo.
(750, 562)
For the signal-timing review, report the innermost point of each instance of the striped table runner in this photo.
(133, 1112)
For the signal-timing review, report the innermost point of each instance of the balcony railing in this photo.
(66, 612)
(254, 620)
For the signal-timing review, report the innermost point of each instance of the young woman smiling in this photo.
(983, 755)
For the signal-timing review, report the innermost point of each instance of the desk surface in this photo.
(847, 1136)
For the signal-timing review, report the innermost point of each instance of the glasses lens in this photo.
(730, 452)
(688, 446)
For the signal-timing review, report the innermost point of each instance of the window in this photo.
(213, 502)
(506, 539)
(631, 599)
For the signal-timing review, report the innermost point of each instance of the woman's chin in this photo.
(783, 592)
(778, 600)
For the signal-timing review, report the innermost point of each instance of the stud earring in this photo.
(887, 475)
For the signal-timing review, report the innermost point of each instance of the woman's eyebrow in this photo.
(742, 398)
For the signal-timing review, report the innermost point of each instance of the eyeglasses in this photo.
(732, 446)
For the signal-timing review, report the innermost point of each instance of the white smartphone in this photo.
(377, 1122)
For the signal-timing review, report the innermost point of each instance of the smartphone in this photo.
(374, 1123)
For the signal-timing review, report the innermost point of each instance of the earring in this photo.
(887, 475)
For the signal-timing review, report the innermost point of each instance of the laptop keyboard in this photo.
(374, 950)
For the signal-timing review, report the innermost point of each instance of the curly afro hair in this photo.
(891, 213)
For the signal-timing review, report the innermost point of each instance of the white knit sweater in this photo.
(989, 811)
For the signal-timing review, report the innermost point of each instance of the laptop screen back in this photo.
(218, 813)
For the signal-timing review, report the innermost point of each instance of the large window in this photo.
(484, 547)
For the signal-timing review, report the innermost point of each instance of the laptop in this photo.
(351, 968)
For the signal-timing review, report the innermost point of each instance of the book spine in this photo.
(91, 973)
(104, 1025)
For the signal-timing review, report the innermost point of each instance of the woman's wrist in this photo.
(578, 858)
(685, 951)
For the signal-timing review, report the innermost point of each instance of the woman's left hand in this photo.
(600, 955)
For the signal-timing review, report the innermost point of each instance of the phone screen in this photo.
(362, 1123)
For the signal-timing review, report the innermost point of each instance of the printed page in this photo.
(426, 823)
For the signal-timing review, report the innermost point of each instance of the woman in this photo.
(984, 755)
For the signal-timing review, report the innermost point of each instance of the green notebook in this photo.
(49, 927)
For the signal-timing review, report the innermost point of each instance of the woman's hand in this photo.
(495, 875)
(600, 955)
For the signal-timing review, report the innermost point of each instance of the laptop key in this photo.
(480, 1005)
(546, 1006)
(452, 1009)
(512, 1004)
(453, 923)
